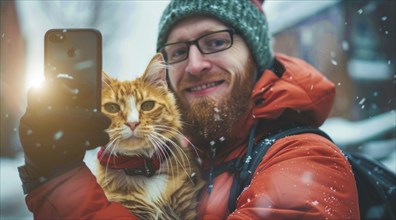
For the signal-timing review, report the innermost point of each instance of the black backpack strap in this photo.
(255, 155)
(229, 166)
(376, 187)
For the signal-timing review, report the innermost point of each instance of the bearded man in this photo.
(233, 91)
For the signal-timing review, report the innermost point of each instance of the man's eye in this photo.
(147, 105)
(178, 53)
(112, 107)
(217, 44)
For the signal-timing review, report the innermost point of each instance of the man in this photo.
(228, 83)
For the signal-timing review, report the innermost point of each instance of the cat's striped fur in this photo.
(172, 192)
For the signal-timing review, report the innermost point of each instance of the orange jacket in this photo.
(301, 177)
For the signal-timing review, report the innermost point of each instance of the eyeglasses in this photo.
(209, 43)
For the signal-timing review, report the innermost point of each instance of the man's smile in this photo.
(202, 89)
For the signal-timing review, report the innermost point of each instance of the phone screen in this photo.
(76, 55)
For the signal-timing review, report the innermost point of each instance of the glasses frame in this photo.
(231, 32)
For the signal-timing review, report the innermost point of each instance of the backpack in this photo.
(375, 183)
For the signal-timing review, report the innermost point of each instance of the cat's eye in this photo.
(112, 107)
(147, 105)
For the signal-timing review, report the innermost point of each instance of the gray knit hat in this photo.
(245, 16)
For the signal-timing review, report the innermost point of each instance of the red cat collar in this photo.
(132, 165)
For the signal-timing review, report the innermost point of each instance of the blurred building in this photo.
(12, 69)
(351, 42)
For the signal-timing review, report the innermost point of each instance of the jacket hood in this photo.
(302, 94)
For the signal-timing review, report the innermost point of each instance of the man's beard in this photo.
(207, 119)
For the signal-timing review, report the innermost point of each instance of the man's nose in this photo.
(197, 62)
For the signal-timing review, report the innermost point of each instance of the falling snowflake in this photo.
(248, 159)
(58, 135)
(315, 203)
(362, 101)
(269, 141)
(307, 177)
(345, 45)
(217, 117)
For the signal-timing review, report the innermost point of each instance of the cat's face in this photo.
(143, 112)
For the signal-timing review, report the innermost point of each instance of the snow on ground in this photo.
(12, 200)
(347, 133)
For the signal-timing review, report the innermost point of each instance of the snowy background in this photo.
(129, 30)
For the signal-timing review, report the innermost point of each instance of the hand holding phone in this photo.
(63, 117)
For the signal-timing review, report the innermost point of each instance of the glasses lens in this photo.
(176, 52)
(215, 42)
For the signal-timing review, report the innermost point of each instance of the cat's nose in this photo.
(132, 125)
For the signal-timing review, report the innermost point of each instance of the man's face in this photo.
(212, 90)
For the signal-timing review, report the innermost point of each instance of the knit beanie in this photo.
(246, 17)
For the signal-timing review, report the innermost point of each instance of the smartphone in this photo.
(75, 56)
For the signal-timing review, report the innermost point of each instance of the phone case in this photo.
(76, 55)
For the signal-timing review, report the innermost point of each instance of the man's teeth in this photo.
(202, 87)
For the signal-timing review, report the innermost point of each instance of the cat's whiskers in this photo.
(161, 145)
(114, 132)
(111, 146)
(169, 128)
(163, 154)
(183, 123)
(177, 146)
(107, 148)
(178, 134)
(163, 139)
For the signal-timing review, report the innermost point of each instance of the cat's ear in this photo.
(155, 73)
(106, 79)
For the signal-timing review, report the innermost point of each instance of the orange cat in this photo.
(145, 166)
